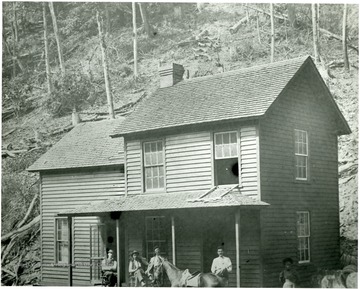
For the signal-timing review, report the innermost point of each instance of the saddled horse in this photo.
(178, 277)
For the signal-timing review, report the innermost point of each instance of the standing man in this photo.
(154, 263)
(221, 266)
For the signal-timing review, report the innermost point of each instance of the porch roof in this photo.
(219, 196)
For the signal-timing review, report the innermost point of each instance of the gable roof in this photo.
(86, 145)
(223, 196)
(239, 94)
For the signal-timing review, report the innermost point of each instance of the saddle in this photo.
(190, 280)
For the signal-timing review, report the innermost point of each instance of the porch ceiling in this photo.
(220, 196)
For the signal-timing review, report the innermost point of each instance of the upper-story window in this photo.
(153, 165)
(61, 240)
(226, 158)
(303, 234)
(301, 154)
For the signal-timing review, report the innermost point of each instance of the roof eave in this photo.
(34, 170)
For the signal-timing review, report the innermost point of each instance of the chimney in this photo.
(170, 74)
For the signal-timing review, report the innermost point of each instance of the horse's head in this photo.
(159, 272)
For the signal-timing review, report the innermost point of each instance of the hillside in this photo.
(199, 38)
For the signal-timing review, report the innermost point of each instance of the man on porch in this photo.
(221, 266)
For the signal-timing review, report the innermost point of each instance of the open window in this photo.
(226, 158)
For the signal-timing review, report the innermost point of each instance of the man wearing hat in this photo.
(155, 262)
(108, 267)
(136, 268)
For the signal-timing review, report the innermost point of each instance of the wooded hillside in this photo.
(66, 60)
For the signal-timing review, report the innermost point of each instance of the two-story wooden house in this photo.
(245, 159)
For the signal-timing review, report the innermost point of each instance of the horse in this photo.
(178, 277)
(345, 278)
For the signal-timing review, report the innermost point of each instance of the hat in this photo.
(110, 251)
(134, 252)
(156, 247)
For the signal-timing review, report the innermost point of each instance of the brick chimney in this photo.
(171, 74)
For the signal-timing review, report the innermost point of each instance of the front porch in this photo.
(188, 236)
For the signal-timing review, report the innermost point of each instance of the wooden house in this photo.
(245, 159)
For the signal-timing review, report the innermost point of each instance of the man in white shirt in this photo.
(154, 263)
(221, 266)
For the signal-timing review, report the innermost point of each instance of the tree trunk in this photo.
(147, 27)
(57, 37)
(46, 45)
(135, 39)
(315, 32)
(15, 38)
(344, 39)
(108, 20)
(105, 66)
(291, 14)
(272, 33)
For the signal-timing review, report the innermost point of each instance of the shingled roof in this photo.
(86, 145)
(222, 196)
(236, 94)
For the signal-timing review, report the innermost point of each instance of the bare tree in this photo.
(105, 67)
(57, 37)
(135, 39)
(291, 14)
(147, 27)
(315, 26)
(46, 46)
(272, 50)
(344, 38)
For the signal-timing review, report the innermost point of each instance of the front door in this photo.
(97, 252)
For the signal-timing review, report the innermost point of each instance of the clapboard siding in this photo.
(249, 168)
(299, 108)
(188, 162)
(67, 191)
(133, 167)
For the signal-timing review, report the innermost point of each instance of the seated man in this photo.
(136, 268)
(108, 268)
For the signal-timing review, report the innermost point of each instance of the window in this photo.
(226, 158)
(156, 228)
(303, 234)
(61, 240)
(153, 165)
(301, 154)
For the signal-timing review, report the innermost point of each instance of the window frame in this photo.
(56, 241)
(298, 154)
(214, 158)
(154, 242)
(144, 166)
(306, 236)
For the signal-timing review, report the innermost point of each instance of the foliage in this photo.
(70, 92)
(17, 93)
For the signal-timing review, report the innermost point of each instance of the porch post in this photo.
(173, 239)
(70, 260)
(237, 238)
(118, 255)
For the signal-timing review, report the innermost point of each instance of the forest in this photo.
(65, 62)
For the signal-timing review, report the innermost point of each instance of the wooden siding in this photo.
(188, 162)
(66, 191)
(299, 108)
(133, 167)
(249, 161)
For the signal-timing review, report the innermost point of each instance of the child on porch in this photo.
(288, 277)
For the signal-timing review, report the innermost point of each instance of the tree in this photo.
(147, 27)
(46, 48)
(57, 37)
(105, 67)
(291, 14)
(344, 38)
(135, 39)
(272, 33)
(315, 26)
